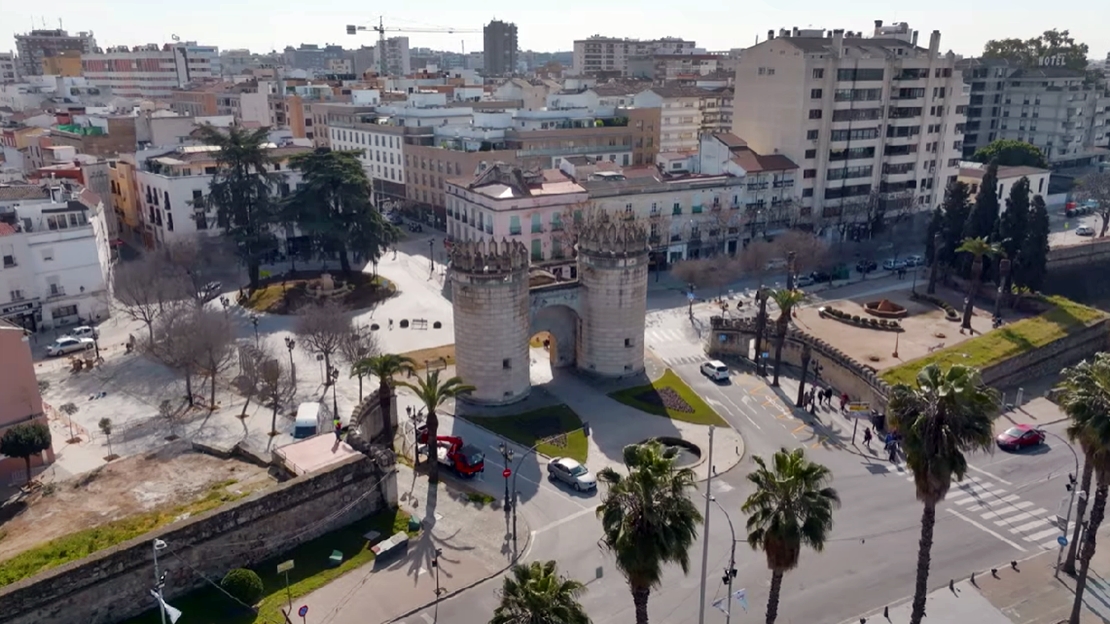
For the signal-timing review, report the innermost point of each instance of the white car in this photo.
(915, 261)
(894, 265)
(68, 344)
(1084, 230)
(572, 473)
(715, 370)
(83, 331)
(803, 280)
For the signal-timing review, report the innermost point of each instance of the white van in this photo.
(715, 370)
(311, 419)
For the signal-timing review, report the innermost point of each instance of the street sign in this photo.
(303, 611)
(859, 406)
(506, 473)
(690, 296)
(1063, 541)
(285, 566)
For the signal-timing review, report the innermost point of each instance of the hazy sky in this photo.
(262, 25)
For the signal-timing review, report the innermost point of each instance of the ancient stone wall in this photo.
(114, 584)
(1051, 358)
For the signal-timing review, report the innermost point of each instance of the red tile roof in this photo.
(6, 229)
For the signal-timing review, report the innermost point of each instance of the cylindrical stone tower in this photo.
(489, 296)
(613, 277)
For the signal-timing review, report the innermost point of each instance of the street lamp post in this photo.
(1071, 486)
(159, 578)
(431, 255)
(254, 322)
(435, 564)
(290, 344)
(730, 571)
(507, 456)
(333, 376)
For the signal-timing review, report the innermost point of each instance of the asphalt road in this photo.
(1002, 511)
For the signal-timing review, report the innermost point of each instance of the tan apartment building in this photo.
(862, 116)
(195, 102)
(686, 113)
(62, 63)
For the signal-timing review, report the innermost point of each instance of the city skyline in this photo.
(547, 30)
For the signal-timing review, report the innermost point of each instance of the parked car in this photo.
(1084, 230)
(415, 227)
(776, 264)
(83, 331)
(803, 280)
(915, 261)
(572, 473)
(66, 344)
(820, 277)
(396, 219)
(1019, 437)
(866, 266)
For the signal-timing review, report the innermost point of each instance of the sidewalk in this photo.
(473, 543)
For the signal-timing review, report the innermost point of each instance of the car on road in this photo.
(715, 370)
(866, 266)
(68, 344)
(415, 227)
(83, 331)
(915, 261)
(396, 219)
(572, 473)
(1084, 230)
(1020, 436)
(820, 277)
(804, 280)
(892, 264)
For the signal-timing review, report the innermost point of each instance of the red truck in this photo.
(465, 460)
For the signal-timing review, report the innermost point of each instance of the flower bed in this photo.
(950, 312)
(666, 398)
(859, 321)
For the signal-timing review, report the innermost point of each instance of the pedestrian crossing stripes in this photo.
(675, 346)
(988, 505)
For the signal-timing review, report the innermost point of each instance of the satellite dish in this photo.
(175, 37)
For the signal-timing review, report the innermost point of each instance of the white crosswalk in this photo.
(987, 504)
(675, 346)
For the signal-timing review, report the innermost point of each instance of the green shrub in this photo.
(244, 584)
(855, 318)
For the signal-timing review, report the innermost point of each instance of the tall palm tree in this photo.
(786, 300)
(242, 191)
(536, 594)
(979, 248)
(1086, 400)
(384, 366)
(945, 416)
(433, 393)
(761, 296)
(648, 519)
(791, 507)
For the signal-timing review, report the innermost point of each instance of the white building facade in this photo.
(611, 54)
(151, 71)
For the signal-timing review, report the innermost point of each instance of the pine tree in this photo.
(1032, 258)
(984, 214)
(956, 210)
(1014, 222)
(936, 226)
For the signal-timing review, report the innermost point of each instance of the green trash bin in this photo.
(414, 524)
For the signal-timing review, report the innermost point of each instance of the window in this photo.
(813, 135)
(506, 363)
(64, 311)
(17, 295)
(815, 94)
(537, 224)
(628, 342)
(807, 192)
(815, 113)
(860, 134)
(47, 254)
(811, 153)
(514, 225)
(809, 174)
(853, 75)
(818, 73)
(537, 250)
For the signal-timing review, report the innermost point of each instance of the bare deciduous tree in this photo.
(249, 381)
(809, 252)
(198, 262)
(275, 388)
(215, 340)
(174, 342)
(144, 287)
(712, 273)
(360, 343)
(755, 260)
(322, 329)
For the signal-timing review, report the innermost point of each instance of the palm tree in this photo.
(786, 300)
(242, 191)
(648, 519)
(536, 594)
(333, 206)
(946, 415)
(384, 367)
(979, 248)
(761, 296)
(433, 393)
(1086, 399)
(791, 507)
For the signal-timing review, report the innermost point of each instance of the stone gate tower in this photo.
(599, 317)
(613, 279)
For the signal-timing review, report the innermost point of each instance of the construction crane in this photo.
(381, 30)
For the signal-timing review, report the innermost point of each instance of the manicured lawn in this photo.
(1004, 343)
(286, 297)
(551, 424)
(84, 543)
(670, 396)
(311, 572)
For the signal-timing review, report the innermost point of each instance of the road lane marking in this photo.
(1012, 507)
(574, 516)
(984, 529)
(1054, 531)
(1007, 516)
(981, 471)
(1031, 525)
(795, 432)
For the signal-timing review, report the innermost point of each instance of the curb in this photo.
(465, 588)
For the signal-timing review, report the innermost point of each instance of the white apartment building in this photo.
(859, 115)
(54, 256)
(9, 72)
(610, 54)
(151, 71)
(398, 61)
(172, 188)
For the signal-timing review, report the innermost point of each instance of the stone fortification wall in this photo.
(114, 584)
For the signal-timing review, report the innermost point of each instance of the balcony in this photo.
(9, 261)
(514, 231)
(56, 291)
(758, 186)
(676, 238)
(784, 184)
(537, 229)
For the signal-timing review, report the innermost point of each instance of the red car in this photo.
(1019, 437)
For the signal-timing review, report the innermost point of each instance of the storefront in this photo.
(25, 314)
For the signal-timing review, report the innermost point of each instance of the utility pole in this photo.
(705, 533)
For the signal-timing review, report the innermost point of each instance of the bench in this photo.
(386, 547)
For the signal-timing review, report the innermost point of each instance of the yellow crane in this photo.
(381, 30)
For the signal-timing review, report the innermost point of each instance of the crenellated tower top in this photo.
(613, 238)
(489, 258)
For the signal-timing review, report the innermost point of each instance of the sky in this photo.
(264, 25)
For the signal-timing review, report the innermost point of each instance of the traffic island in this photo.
(287, 293)
(670, 397)
(555, 431)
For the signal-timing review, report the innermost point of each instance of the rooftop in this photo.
(504, 181)
(757, 163)
(16, 192)
(873, 45)
(1004, 173)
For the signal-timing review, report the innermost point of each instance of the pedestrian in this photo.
(843, 401)
(826, 396)
(867, 437)
(390, 323)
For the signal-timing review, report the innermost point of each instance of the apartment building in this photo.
(64, 63)
(686, 113)
(172, 187)
(247, 102)
(864, 117)
(1056, 109)
(500, 48)
(20, 400)
(398, 62)
(124, 198)
(610, 55)
(312, 57)
(9, 68)
(531, 93)
(36, 45)
(55, 256)
(151, 71)
(95, 135)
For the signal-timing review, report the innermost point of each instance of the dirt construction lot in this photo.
(173, 479)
